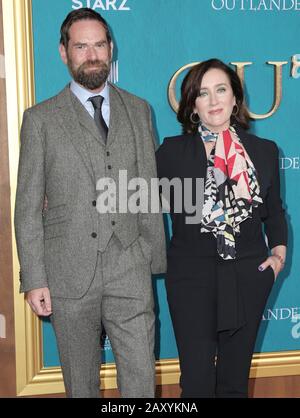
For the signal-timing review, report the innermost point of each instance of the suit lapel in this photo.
(117, 121)
(69, 120)
(198, 161)
(85, 120)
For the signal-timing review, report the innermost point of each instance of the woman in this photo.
(220, 272)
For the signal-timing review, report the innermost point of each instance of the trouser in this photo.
(215, 361)
(121, 298)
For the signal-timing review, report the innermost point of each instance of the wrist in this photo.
(280, 259)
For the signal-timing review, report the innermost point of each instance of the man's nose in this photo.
(91, 53)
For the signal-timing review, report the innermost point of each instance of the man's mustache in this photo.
(92, 63)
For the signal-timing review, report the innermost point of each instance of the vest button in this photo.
(108, 153)
(94, 203)
(94, 235)
(113, 223)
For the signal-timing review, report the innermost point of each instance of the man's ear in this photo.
(63, 53)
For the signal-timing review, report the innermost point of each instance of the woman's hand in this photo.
(275, 261)
(272, 262)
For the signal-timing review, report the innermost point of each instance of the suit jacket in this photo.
(184, 156)
(57, 247)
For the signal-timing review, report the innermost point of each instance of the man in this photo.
(85, 267)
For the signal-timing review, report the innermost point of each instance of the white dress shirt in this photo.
(83, 96)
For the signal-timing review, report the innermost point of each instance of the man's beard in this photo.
(91, 80)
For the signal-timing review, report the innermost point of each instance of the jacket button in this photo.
(108, 153)
(94, 235)
(94, 203)
(113, 223)
(109, 167)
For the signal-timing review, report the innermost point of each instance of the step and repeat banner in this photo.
(154, 39)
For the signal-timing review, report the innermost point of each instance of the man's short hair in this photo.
(84, 13)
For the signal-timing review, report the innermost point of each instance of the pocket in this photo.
(55, 230)
(272, 272)
(55, 213)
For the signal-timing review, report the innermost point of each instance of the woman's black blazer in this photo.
(184, 156)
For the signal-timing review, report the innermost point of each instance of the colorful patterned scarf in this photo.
(231, 189)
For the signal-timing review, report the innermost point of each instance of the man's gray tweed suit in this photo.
(97, 266)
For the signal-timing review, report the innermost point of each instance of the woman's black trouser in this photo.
(216, 307)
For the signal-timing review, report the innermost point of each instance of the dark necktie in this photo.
(100, 122)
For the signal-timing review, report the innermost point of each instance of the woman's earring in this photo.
(192, 118)
(235, 113)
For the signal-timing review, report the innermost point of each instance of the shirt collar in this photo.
(83, 94)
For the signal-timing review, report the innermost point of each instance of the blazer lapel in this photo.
(85, 120)
(198, 161)
(117, 121)
(69, 120)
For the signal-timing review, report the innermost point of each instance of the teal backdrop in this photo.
(155, 38)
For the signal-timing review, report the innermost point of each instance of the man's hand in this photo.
(39, 301)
